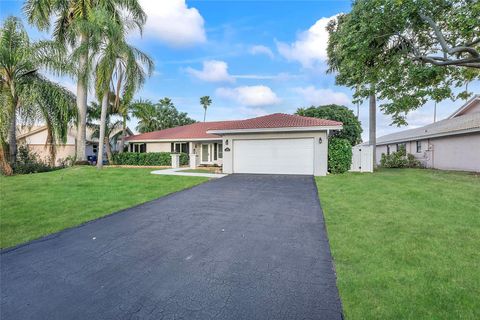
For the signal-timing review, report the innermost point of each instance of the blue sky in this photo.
(251, 57)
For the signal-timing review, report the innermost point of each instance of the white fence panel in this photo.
(362, 159)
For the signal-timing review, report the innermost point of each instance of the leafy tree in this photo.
(352, 128)
(159, 116)
(205, 101)
(418, 51)
(25, 94)
(74, 27)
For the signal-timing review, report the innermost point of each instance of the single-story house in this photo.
(35, 138)
(449, 144)
(272, 144)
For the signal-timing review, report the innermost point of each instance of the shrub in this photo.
(147, 159)
(399, 159)
(28, 162)
(339, 155)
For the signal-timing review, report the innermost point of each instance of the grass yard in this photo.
(35, 205)
(406, 243)
(198, 171)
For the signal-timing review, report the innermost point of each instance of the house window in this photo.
(220, 151)
(401, 145)
(388, 150)
(139, 147)
(419, 146)
(215, 153)
(180, 147)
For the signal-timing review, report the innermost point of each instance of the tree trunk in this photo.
(373, 127)
(51, 147)
(124, 133)
(101, 140)
(4, 165)
(82, 105)
(204, 114)
(108, 149)
(12, 136)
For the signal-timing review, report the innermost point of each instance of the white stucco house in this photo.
(449, 144)
(272, 144)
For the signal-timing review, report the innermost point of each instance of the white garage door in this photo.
(275, 156)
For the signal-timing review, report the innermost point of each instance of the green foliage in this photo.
(339, 155)
(399, 159)
(378, 47)
(158, 116)
(28, 162)
(147, 159)
(352, 128)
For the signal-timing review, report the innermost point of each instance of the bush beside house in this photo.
(399, 159)
(148, 159)
(339, 155)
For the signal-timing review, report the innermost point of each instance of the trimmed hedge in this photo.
(339, 155)
(148, 159)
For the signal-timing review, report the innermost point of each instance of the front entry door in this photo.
(206, 153)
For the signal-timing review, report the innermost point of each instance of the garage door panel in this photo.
(273, 156)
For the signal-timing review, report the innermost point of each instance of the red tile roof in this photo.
(276, 120)
(199, 130)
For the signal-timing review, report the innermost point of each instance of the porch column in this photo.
(175, 160)
(192, 156)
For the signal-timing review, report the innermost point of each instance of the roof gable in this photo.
(471, 106)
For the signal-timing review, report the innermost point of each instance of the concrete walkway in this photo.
(179, 172)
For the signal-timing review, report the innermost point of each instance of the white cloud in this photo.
(173, 22)
(249, 95)
(259, 49)
(213, 71)
(314, 96)
(310, 48)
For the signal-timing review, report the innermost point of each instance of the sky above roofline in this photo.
(251, 57)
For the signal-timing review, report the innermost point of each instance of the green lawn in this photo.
(35, 205)
(406, 243)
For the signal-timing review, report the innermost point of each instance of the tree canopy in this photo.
(158, 116)
(407, 51)
(352, 128)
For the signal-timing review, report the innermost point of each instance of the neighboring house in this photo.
(276, 144)
(450, 144)
(35, 138)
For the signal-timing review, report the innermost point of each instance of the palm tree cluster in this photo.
(158, 116)
(89, 43)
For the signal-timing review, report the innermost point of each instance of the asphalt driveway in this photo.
(241, 247)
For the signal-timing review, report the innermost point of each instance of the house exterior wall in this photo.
(320, 150)
(158, 146)
(460, 152)
(455, 152)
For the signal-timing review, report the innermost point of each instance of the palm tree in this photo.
(113, 128)
(158, 116)
(205, 101)
(75, 27)
(119, 64)
(22, 89)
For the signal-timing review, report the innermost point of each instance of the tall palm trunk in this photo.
(51, 147)
(12, 136)
(5, 167)
(108, 149)
(204, 114)
(101, 140)
(82, 104)
(373, 127)
(124, 134)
